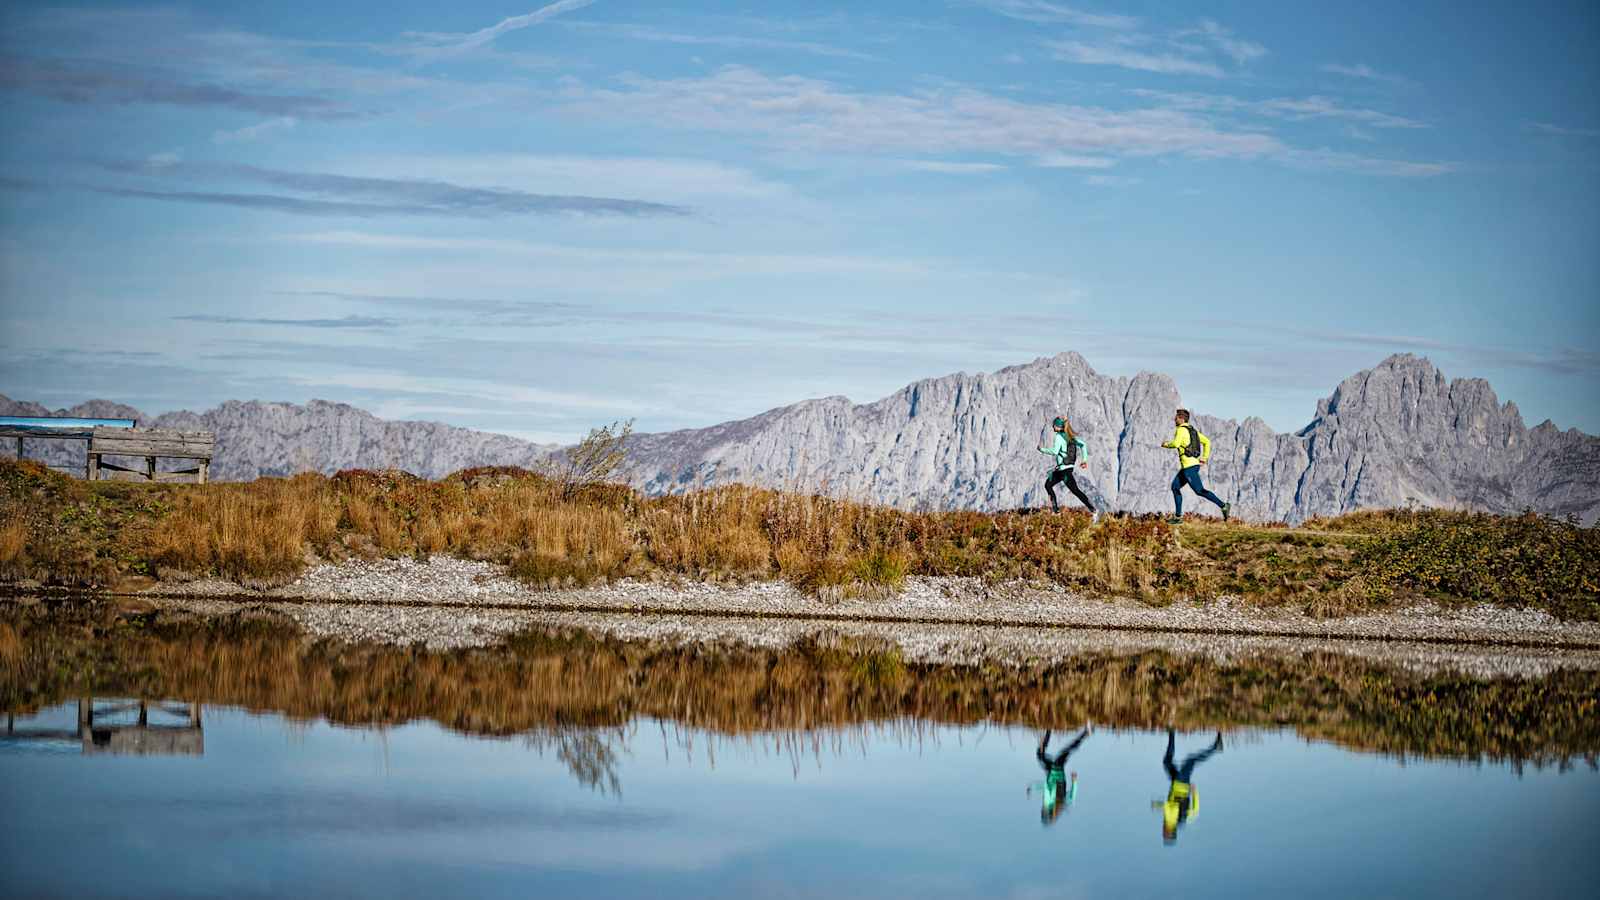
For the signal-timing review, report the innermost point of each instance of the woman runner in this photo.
(1066, 448)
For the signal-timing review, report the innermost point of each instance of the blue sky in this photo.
(537, 219)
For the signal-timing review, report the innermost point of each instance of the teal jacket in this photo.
(1055, 790)
(1058, 449)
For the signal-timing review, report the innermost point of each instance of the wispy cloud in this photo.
(796, 112)
(731, 41)
(1225, 41)
(89, 83)
(614, 258)
(1340, 161)
(427, 46)
(1562, 130)
(552, 310)
(667, 179)
(1199, 50)
(348, 195)
(1126, 57)
(489, 390)
(345, 322)
(169, 44)
(272, 203)
(254, 132)
(1363, 72)
(1055, 13)
(506, 315)
(951, 168)
(1325, 108)
(1291, 108)
(1559, 361)
(1069, 161)
(802, 327)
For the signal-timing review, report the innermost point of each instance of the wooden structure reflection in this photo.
(100, 730)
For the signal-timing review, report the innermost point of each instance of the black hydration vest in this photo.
(1193, 450)
(1070, 457)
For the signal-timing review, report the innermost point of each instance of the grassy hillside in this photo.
(60, 531)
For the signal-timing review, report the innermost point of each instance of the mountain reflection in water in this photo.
(563, 764)
(566, 678)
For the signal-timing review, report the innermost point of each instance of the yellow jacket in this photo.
(1180, 442)
(1173, 811)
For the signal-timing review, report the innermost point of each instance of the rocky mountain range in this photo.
(1396, 435)
(256, 438)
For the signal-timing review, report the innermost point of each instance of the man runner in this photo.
(1194, 450)
(1183, 801)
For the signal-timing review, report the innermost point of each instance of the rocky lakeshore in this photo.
(448, 603)
(449, 582)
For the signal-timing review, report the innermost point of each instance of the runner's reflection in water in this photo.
(1056, 792)
(1183, 801)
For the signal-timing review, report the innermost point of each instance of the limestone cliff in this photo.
(1396, 435)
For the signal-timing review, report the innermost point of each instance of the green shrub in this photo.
(1526, 560)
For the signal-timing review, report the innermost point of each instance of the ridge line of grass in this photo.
(61, 531)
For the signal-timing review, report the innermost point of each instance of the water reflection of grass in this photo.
(565, 679)
(64, 531)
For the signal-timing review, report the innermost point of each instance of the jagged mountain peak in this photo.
(1397, 434)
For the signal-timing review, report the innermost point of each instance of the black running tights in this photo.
(1061, 476)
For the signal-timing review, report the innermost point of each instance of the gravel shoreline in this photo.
(449, 582)
(456, 627)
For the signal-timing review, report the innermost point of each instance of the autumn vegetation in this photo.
(565, 686)
(59, 531)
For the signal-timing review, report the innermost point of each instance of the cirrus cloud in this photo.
(795, 112)
(331, 194)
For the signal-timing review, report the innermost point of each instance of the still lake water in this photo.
(242, 804)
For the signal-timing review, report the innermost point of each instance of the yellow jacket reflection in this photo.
(1183, 800)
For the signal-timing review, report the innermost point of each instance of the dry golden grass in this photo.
(10, 647)
(74, 532)
(13, 540)
(718, 531)
(259, 530)
(566, 545)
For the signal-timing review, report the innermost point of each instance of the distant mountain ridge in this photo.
(256, 438)
(1396, 435)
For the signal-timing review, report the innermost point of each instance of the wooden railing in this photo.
(117, 437)
(152, 444)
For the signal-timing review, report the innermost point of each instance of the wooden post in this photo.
(85, 714)
(93, 473)
(205, 470)
(19, 446)
(150, 467)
